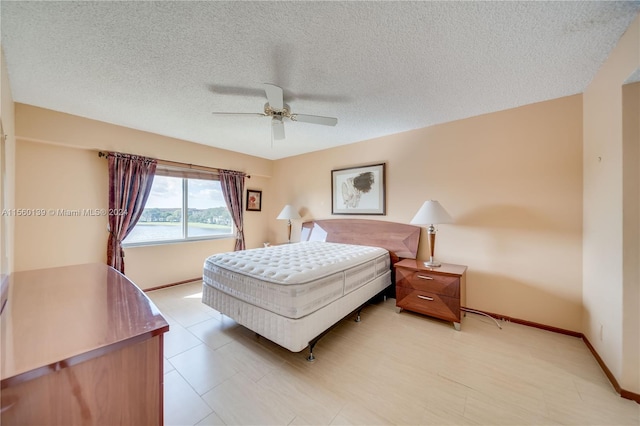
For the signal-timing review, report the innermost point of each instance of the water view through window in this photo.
(163, 218)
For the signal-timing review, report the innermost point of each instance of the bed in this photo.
(292, 294)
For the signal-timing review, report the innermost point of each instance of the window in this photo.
(175, 197)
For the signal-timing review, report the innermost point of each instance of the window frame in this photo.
(185, 175)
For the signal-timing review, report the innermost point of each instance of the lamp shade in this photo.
(431, 213)
(288, 212)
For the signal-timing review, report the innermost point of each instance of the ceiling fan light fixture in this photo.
(273, 112)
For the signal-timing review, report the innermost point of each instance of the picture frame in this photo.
(359, 190)
(254, 200)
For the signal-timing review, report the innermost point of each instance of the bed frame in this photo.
(401, 240)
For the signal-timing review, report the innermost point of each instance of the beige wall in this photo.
(51, 178)
(512, 180)
(58, 168)
(7, 116)
(631, 236)
(604, 285)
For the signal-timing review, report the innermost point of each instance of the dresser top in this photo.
(58, 317)
(418, 265)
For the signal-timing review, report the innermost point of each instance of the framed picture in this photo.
(358, 190)
(254, 200)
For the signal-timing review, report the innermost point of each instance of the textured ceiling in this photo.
(379, 67)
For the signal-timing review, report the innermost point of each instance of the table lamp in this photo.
(431, 213)
(288, 213)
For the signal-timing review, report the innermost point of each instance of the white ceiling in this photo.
(379, 67)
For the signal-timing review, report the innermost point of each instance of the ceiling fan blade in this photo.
(275, 97)
(277, 126)
(260, 114)
(315, 119)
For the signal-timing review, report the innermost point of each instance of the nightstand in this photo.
(437, 292)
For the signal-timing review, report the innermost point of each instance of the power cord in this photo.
(473, 311)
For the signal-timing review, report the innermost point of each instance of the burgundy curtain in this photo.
(130, 180)
(232, 184)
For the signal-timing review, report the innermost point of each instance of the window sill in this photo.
(170, 242)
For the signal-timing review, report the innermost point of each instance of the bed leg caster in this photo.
(311, 358)
(398, 310)
(456, 325)
(358, 314)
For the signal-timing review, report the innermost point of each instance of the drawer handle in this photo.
(425, 297)
(425, 277)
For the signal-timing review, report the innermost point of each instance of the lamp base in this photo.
(432, 263)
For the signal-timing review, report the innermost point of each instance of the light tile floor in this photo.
(388, 369)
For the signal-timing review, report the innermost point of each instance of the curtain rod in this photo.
(177, 164)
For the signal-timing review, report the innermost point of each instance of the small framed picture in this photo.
(254, 200)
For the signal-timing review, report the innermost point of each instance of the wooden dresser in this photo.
(437, 292)
(80, 345)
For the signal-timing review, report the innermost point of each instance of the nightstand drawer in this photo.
(437, 305)
(427, 281)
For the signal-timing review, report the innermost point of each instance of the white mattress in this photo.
(295, 280)
(292, 334)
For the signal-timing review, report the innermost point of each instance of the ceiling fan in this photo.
(278, 111)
